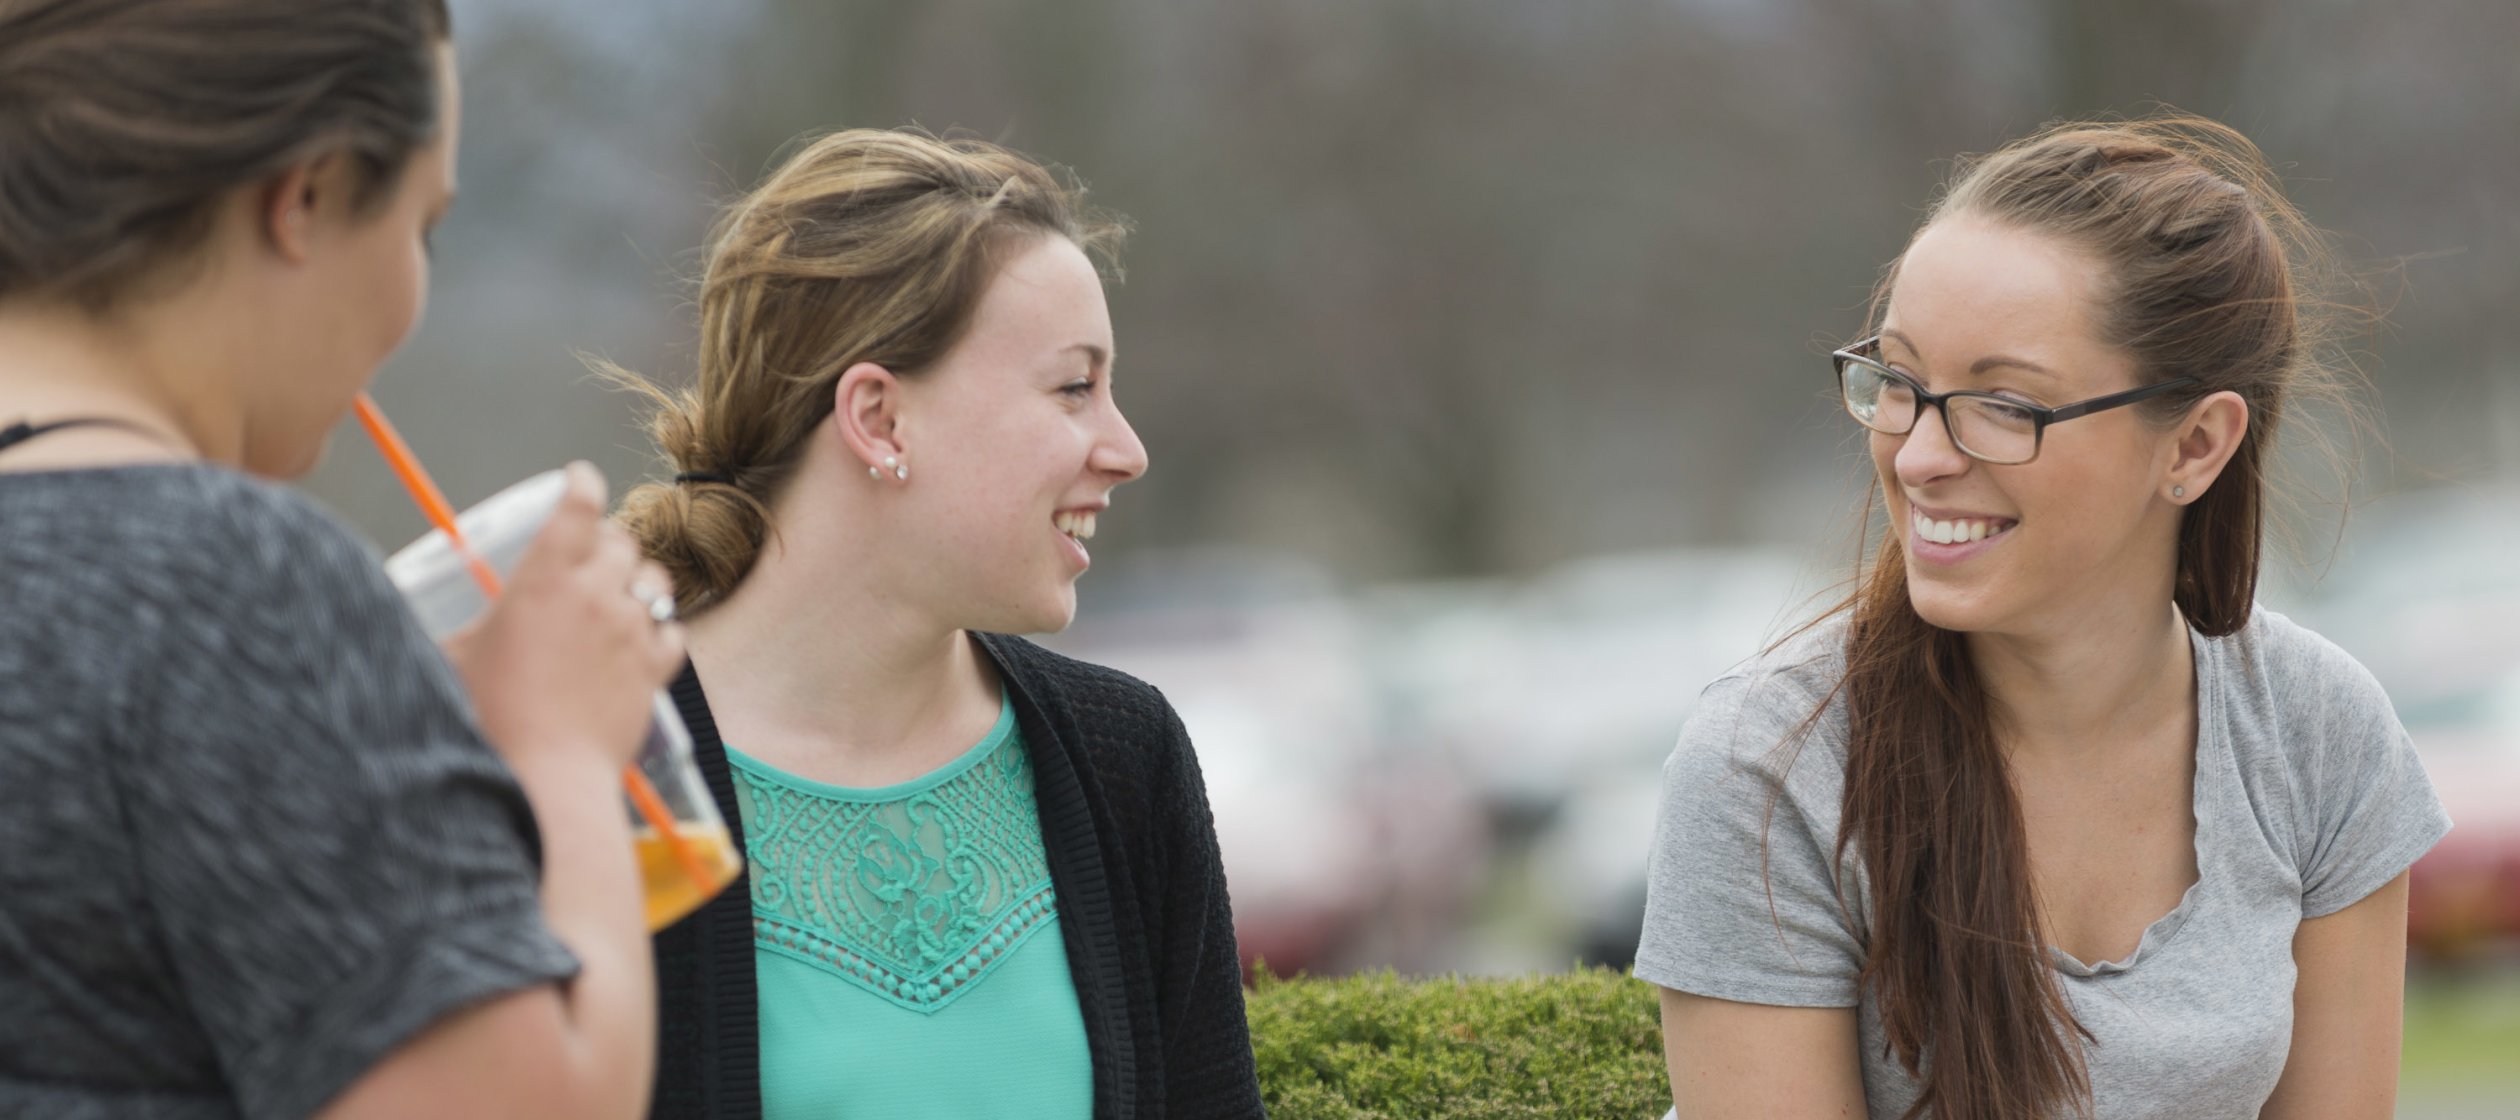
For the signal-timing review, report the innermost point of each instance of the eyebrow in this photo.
(1096, 355)
(1982, 365)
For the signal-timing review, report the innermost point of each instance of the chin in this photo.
(1052, 618)
(1964, 610)
(1046, 615)
(287, 462)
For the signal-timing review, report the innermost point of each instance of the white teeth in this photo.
(1077, 525)
(1955, 531)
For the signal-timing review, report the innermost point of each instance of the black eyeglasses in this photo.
(1984, 426)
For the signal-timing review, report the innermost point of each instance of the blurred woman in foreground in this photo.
(264, 858)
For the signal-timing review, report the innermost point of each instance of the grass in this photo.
(2462, 1032)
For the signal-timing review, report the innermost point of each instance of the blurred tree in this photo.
(1442, 286)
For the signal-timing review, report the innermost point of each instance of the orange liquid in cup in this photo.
(671, 892)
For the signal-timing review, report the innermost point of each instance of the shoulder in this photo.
(1054, 679)
(2285, 689)
(2305, 723)
(169, 547)
(1776, 716)
(2290, 660)
(225, 528)
(1127, 745)
(1116, 718)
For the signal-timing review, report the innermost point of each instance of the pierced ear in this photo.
(2207, 439)
(866, 407)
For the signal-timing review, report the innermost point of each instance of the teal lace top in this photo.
(907, 945)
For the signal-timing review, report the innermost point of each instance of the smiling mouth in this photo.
(1959, 530)
(1078, 525)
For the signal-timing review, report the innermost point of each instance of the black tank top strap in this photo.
(23, 431)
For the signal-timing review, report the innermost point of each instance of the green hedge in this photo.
(1380, 1047)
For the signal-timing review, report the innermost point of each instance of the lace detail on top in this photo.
(914, 892)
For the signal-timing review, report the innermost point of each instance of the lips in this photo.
(1076, 526)
(1949, 535)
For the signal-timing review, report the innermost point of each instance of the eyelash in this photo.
(2015, 394)
(1085, 387)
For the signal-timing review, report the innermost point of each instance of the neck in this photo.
(2112, 676)
(59, 362)
(808, 668)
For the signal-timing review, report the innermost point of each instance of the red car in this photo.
(2465, 893)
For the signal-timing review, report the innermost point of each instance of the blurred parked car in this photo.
(1328, 835)
(2429, 600)
(2465, 893)
(1571, 727)
(1593, 666)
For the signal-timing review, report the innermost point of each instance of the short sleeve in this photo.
(2372, 811)
(1742, 901)
(333, 855)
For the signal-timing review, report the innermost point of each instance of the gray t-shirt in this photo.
(253, 839)
(2308, 798)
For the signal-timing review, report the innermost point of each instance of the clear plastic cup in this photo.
(681, 871)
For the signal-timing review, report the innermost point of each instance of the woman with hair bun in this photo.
(982, 879)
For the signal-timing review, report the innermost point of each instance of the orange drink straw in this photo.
(432, 502)
(424, 491)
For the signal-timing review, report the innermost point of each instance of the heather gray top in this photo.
(253, 840)
(2308, 798)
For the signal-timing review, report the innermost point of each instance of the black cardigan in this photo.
(1141, 895)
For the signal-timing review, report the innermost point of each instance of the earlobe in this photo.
(2213, 435)
(866, 411)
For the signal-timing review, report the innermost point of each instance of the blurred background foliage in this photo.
(1438, 287)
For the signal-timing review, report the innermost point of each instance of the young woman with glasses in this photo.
(2049, 818)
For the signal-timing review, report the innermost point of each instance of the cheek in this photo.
(1885, 461)
(390, 285)
(2082, 522)
(403, 295)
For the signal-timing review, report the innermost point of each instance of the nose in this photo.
(1119, 454)
(1926, 454)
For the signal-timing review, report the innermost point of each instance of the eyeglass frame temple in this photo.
(2038, 412)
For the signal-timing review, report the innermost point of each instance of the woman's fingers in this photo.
(572, 532)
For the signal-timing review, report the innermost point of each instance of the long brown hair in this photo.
(870, 245)
(2206, 273)
(123, 121)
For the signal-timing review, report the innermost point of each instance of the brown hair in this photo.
(869, 245)
(2206, 273)
(124, 121)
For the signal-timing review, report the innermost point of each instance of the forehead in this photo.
(1045, 298)
(1968, 287)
